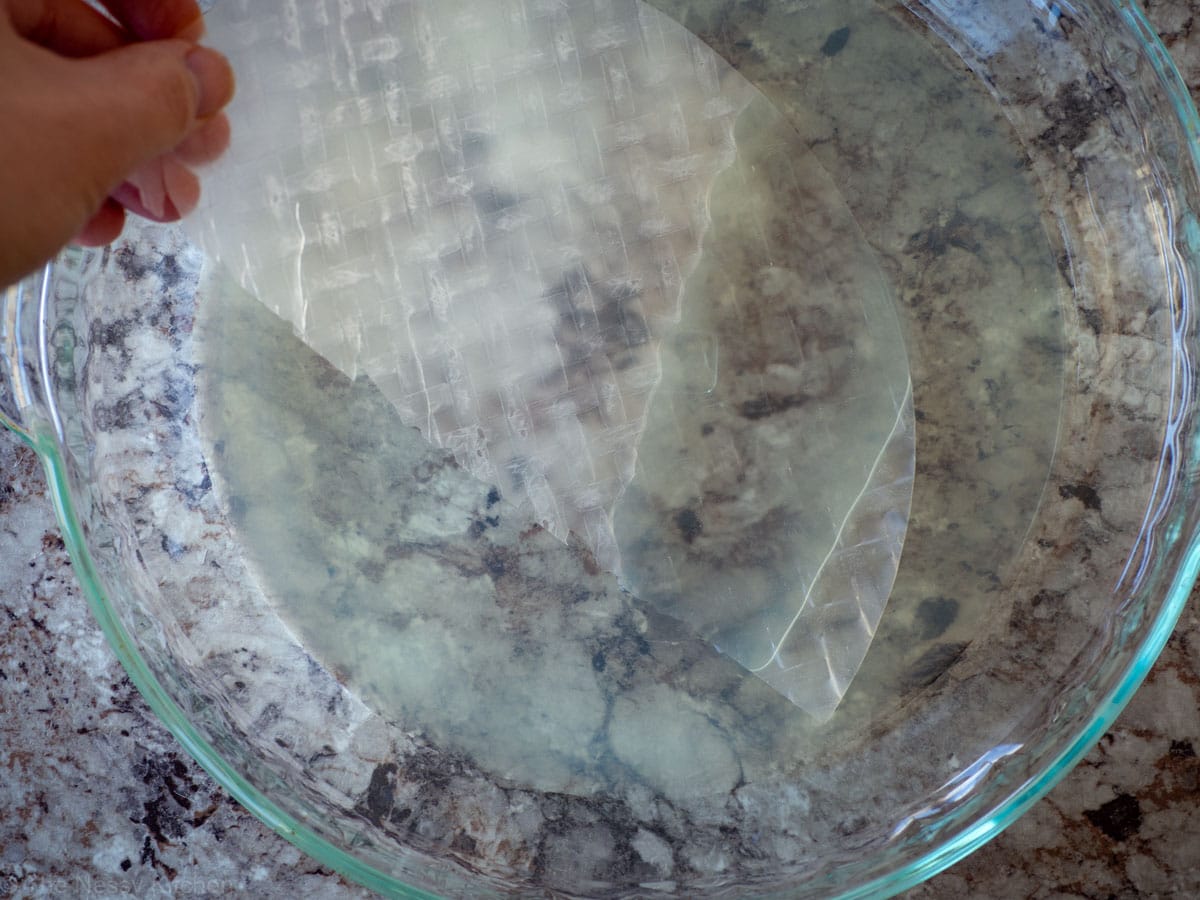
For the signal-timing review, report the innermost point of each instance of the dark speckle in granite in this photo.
(110, 337)
(381, 793)
(933, 663)
(1084, 493)
(1072, 113)
(133, 265)
(836, 42)
(935, 615)
(1182, 750)
(958, 232)
(118, 414)
(1119, 818)
(689, 525)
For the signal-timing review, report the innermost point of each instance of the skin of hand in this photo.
(102, 114)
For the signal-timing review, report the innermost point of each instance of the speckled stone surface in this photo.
(98, 800)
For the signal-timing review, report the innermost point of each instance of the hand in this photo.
(101, 116)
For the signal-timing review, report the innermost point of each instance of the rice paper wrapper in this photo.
(576, 248)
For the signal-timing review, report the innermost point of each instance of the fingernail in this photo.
(214, 80)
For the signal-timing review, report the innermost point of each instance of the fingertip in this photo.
(206, 143)
(154, 109)
(140, 200)
(104, 227)
(163, 190)
(182, 188)
(215, 82)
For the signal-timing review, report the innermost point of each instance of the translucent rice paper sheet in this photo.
(496, 211)
(488, 208)
(775, 471)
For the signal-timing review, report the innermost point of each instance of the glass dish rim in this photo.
(934, 860)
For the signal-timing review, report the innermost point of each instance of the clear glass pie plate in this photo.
(606, 448)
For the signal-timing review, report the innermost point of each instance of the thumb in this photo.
(140, 101)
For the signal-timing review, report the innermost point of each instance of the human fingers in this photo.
(163, 190)
(104, 227)
(84, 125)
(72, 28)
(68, 27)
(80, 126)
(166, 189)
(156, 21)
(141, 101)
(206, 143)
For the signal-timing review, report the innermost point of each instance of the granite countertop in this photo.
(98, 800)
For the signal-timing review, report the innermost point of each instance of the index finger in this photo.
(157, 21)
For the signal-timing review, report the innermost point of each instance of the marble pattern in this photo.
(99, 801)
